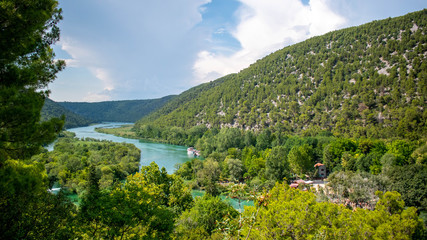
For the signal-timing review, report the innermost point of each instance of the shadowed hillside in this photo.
(52, 109)
(116, 111)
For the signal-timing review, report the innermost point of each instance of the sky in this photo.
(146, 49)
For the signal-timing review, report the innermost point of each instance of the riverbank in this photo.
(124, 131)
(164, 155)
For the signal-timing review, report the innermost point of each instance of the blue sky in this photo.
(144, 49)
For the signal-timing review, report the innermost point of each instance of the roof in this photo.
(318, 164)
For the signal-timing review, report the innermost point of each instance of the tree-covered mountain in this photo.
(192, 94)
(365, 81)
(116, 111)
(52, 109)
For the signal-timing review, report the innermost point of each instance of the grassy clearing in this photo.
(123, 131)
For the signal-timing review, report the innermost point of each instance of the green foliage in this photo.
(402, 150)
(145, 207)
(174, 193)
(301, 159)
(21, 133)
(133, 210)
(208, 176)
(420, 155)
(228, 138)
(369, 163)
(199, 221)
(294, 214)
(27, 65)
(263, 139)
(91, 205)
(390, 202)
(185, 170)
(410, 181)
(277, 164)
(255, 164)
(332, 153)
(28, 210)
(179, 198)
(71, 158)
(52, 109)
(235, 168)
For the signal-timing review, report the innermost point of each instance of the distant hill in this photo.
(193, 94)
(365, 81)
(52, 109)
(116, 111)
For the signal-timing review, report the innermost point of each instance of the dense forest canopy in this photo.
(69, 162)
(116, 111)
(52, 109)
(79, 114)
(27, 66)
(365, 81)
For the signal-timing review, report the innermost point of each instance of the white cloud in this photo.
(83, 57)
(105, 77)
(264, 27)
(323, 19)
(127, 48)
(79, 54)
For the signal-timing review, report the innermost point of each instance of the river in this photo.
(165, 155)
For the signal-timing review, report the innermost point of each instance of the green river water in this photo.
(164, 155)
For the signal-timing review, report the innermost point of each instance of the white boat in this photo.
(190, 151)
(193, 152)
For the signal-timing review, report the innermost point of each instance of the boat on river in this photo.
(193, 152)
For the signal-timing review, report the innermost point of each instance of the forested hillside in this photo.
(365, 81)
(116, 111)
(52, 109)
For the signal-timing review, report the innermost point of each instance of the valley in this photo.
(345, 110)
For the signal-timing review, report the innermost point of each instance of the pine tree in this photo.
(27, 65)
